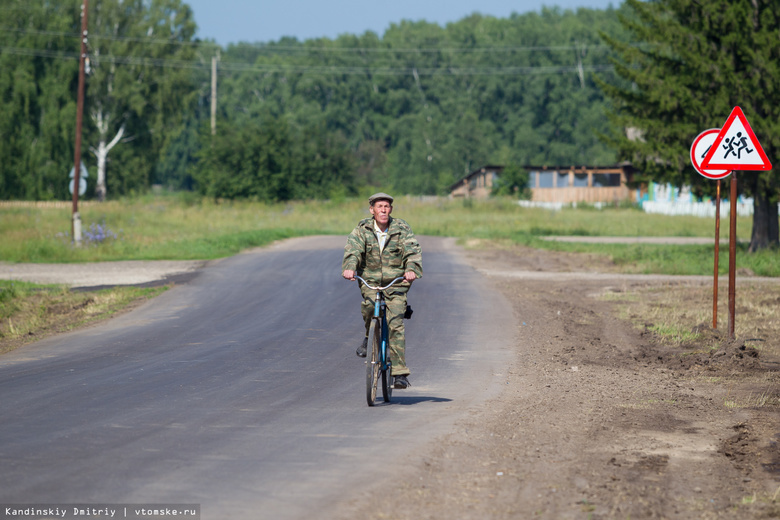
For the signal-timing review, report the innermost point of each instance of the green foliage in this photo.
(37, 99)
(409, 111)
(125, 85)
(269, 161)
(423, 105)
(128, 91)
(513, 181)
(689, 64)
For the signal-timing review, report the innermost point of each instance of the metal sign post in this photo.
(699, 149)
(736, 148)
(717, 256)
(732, 254)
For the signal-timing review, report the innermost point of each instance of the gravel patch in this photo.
(131, 272)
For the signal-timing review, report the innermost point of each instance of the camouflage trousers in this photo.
(396, 307)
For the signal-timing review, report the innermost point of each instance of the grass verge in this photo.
(179, 227)
(31, 312)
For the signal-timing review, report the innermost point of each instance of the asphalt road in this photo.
(240, 390)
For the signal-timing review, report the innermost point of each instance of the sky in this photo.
(232, 21)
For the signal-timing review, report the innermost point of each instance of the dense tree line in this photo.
(133, 111)
(411, 110)
(422, 105)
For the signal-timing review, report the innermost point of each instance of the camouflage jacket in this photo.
(401, 253)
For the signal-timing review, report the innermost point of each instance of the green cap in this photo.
(379, 196)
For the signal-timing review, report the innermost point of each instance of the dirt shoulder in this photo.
(600, 417)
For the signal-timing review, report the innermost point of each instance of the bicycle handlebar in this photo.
(379, 288)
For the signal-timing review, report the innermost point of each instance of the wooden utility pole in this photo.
(76, 220)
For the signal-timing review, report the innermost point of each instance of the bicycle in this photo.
(378, 357)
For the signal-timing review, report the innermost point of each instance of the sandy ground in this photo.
(596, 420)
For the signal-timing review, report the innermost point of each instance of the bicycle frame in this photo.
(385, 365)
(380, 313)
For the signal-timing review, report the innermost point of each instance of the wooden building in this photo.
(477, 184)
(558, 184)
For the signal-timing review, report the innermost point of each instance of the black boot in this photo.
(400, 383)
(363, 348)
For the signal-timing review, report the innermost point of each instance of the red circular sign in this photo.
(701, 145)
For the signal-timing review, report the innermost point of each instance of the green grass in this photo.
(180, 226)
(674, 259)
(502, 218)
(11, 292)
(156, 228)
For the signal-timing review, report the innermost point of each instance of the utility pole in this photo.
(76, 220)
(214, 60)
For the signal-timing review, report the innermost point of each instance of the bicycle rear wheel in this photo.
(372, 362)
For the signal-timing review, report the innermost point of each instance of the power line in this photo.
(312, 69)
(445, 71)
(432, 50)
(311, 49)
(156, 41)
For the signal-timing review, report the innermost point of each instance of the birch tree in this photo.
(139, 85)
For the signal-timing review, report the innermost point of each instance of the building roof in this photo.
(497, 168)
(476, 172)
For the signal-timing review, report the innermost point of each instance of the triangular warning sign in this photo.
(736, 147)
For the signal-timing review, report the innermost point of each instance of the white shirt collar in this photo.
(381, 236)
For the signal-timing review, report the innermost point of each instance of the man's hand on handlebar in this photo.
(349, 274)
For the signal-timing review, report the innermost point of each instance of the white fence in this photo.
(696, 209)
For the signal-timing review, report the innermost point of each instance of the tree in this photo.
(417, 107)
(688, 64)
(423, 105)
(38, 78)
(266, 159)
(135, 91)
(512, 181)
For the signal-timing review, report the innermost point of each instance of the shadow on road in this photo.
(418, 399)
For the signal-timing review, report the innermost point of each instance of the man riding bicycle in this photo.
(380, 249)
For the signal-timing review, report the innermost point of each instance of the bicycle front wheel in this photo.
(387, 383)
(372, 362)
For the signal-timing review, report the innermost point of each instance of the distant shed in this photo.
(561, 184)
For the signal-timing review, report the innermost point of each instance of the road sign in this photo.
(701, 145)
(82, 179)
(82, 186)
(82, 171)
(736, 147)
